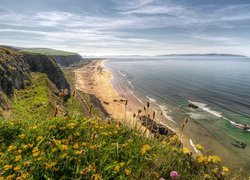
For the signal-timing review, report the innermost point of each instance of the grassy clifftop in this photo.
(37, 145)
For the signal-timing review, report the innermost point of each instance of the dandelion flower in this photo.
(21, 136)
(128, 172)
(117, 168)
(17, 168)
(145, 148)
(7, 167)
(185, 150)
(199, 147)
(39, 138)
(225, 170)
(122, 164)
(18, 158)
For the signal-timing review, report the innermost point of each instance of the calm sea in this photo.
(220, 86)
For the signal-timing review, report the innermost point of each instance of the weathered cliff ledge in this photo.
(15, 68)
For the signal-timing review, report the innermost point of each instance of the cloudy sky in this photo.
(128, 27)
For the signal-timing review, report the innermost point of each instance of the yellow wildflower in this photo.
(18, 158)
(24, 175)
(156, 174)
(17, 168)
(202, 159)
(52, 127)
(10, 148)
(128, 172)
(84, 144)
(214, 159)
(26, 164)
(96, 177)
(10, 177)
(1, 154)
(21, 136)
(206, 176)
(185, 150)
(77, 152)
(84, 171)
(64, 147)
(71, 125)
(124, 145)
(117, 168)
(174, 139)
(145, 148)
(225, 170)
(35, 152)
(39, 138)
(63, 156)
(199, 147)
(7, 167)
(122, 164)
(76, 146)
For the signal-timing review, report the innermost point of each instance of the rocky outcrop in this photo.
(15, 68)
(45, 64)
(67, 60)
(14, 72)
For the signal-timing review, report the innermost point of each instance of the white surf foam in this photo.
(204, 107)
(164, 110)
(129, 82)
(124, 75)
(152, 100)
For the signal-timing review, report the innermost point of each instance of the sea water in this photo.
(219, 86)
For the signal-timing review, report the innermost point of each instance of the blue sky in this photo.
(119, 27)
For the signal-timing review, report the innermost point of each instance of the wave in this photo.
(163, 108)
(217, 114)
(129, 82)
(152, 100)
(207, 109)
(135, 95)
(124, 75)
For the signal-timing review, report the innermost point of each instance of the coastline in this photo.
(95, 78)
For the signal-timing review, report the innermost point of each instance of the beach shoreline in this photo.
(96, 78)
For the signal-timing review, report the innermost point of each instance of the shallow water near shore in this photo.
(219, 86)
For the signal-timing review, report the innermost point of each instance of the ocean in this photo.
(219, 86)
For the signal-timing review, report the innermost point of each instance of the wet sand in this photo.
(96, 79)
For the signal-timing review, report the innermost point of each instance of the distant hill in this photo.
(210, 54)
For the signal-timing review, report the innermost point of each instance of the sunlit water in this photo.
(220, 86)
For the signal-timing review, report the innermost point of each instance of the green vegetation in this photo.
(49, 52)
(37, 145)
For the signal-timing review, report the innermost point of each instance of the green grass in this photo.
(36, 145)
(49, 52)
(81, 148)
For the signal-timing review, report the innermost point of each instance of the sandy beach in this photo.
(96, 79)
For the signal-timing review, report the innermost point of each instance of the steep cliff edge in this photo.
(63, 58)
(15, 69)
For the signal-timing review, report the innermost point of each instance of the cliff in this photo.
(15, 69)
(67, 60)
(63, 58)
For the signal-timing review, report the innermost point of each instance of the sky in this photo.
(128, 27)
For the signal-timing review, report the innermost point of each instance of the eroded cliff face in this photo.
(45, 64)
(15, 68)
(67, 60)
